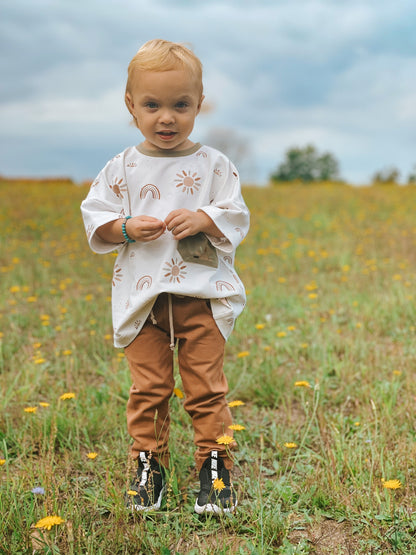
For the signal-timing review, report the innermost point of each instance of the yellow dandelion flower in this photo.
(30, 409)
(2, 462)
(281, 334)
(89, 297)
(291, 445)
(67, 352)
(120, 355)
(108, 336)
(218, 484)
(132, 492)
(392, 484)
(291, 328)
(178, 393)
(92, 456)
(37, 345)
(302, 383)
(267, 348)
(357, 423)
(304, 345)
(243, 354)
(237, 427)
(260, 326)
(14, 289)
(49, 521)
(397, 372)
(281, 280)
(43, 404)
(44, 317)
(225, 440)
(39, 360)
(312, 295)
(31, 299)
(66, 396)
(237, 403)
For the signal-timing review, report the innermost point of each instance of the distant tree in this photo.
(411, 180)
(230, 142)
(386, 175)
(306, 164)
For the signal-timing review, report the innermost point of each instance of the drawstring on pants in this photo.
(171, 330)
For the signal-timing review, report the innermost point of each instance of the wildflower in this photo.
(92, 456)
(178, 393)
(38, 491)
(14, 289)
(291, 445)
(392, 484)
(302, 383)
(43, 404)
(312, 295)
(291, 328)
(260, 326)
(67, 352)
(218, 484)
(49, 521)
(120, 355)
(281, 280)
(304, 345)
(132, 492)
(66, 396)
(235, 403)
(237, 427)
(397, 372)
(225, 440)
(31, 299)
(281, 334)
(30, 409)
(243, 354)
(39, 360)
(108, 336)
(2, 462)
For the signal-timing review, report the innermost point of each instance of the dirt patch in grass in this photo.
(327, 537)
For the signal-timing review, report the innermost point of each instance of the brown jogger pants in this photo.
(200, 357)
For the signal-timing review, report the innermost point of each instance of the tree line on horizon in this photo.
(307, 165)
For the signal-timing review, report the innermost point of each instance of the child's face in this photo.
(165, 104)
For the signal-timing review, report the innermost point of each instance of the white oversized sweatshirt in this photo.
(145, 182)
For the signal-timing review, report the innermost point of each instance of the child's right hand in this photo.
(145, 228)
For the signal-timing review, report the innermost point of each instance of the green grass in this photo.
(330, 273)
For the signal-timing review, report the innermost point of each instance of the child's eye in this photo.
(182, 105)
(151, 105)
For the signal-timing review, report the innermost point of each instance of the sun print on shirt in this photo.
(175, 270)
(188, 181)
(118, 187)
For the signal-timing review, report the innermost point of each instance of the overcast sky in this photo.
(340, 74)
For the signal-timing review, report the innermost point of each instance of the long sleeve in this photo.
(106, 201)
(227, 208)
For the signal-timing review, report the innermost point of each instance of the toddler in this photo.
(173, 210)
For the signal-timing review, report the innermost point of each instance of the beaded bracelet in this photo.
(125, 234)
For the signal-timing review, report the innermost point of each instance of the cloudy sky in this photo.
(340, 74)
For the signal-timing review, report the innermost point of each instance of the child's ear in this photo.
(128, 99)
(200, 104)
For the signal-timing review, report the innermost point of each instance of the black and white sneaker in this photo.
(217, 494)
(149, 485)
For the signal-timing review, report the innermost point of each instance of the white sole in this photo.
(213, 508)
(155, 507)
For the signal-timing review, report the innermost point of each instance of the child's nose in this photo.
(167, 117)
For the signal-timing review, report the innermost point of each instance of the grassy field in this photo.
(323, 359)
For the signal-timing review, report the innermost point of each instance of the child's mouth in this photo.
(166, 134)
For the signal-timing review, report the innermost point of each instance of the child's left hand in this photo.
(183, 223)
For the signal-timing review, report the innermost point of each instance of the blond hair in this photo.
(163, 55)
